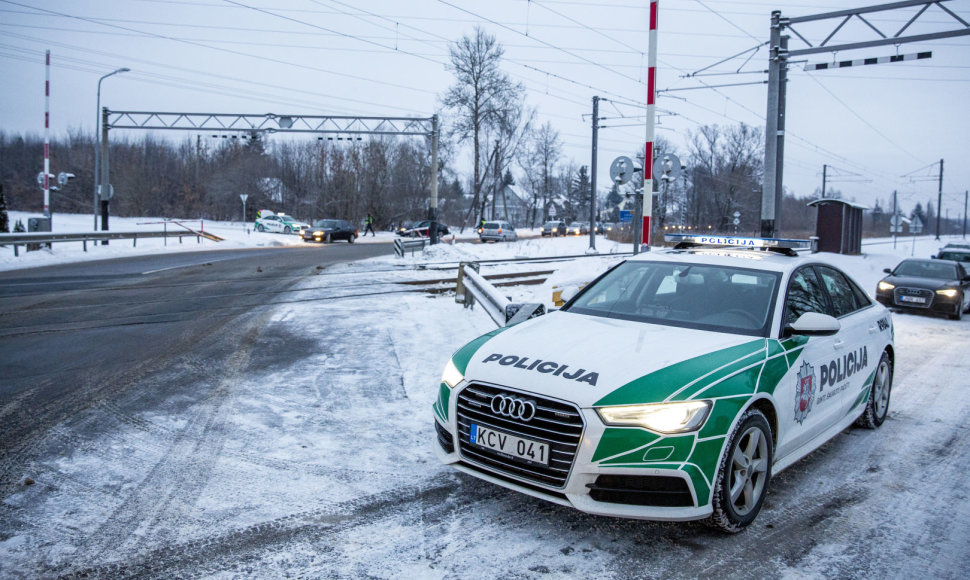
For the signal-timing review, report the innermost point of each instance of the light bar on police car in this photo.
(737, 242)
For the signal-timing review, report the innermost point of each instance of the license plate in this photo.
(526, 449)
(913, 299)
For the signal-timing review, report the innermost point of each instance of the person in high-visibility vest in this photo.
(370, 225)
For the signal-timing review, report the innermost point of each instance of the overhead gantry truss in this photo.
(270, 123)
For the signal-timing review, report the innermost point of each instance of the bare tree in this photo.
(538, 160)
(727, 172)
(481, 97)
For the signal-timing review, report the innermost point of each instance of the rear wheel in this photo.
(260, 228)
(742, 480)
(877, 407)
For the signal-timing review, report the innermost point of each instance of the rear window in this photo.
(492, 225)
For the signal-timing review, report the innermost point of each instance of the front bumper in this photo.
(653, 490)
(934, 303)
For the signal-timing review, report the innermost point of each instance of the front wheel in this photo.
(287, 230)
(351, 238)
(742, 480)
(877, 407)
(260, 228)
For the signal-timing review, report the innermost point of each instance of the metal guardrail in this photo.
(472, 287)
(46, 238)
(402, 245)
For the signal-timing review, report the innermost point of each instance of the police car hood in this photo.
(582, 358)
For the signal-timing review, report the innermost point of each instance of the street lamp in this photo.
(97, 144)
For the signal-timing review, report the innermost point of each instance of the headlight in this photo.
(885, 286)
(948, 292)
(451, 375)
(662, 417)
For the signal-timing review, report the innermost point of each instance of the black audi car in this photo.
(330, 231)
(931, 286)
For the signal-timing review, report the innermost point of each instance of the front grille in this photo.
(900, 293)
(444, 438)
(558, 424)
(661, 491)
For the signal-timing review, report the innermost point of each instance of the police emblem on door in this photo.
(804, 392)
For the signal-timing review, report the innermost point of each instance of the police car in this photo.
(673, 386)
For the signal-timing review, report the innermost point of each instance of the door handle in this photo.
(839, 343)
(873, 329)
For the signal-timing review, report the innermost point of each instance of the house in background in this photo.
(512, 204)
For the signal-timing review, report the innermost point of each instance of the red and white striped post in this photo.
(47, 137)
(651, 119)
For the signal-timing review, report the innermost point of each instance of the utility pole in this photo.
(895, 220)
(824, 171)
(105, 189)
(965, 214)
(592, 176)
(939, 201)
(433, 210)
(775, 128)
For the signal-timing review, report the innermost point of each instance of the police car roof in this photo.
(752, 253)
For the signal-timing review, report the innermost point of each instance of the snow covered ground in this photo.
(332, 451)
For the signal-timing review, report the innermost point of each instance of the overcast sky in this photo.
(878, 128)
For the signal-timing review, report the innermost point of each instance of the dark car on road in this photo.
(554, 228)
(955, 252)
(932, 286)
(330, 230)
(421, 229)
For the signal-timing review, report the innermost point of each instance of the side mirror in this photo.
(815, 324)
(887, 270)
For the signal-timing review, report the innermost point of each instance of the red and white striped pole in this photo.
(47, 137)
(651, 119)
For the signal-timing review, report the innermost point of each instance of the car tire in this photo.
(744, 474)
(351, 238)
(877, 407)
(287, 230)
(260, 228)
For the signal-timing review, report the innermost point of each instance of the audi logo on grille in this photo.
(912, 291)
(512, 407)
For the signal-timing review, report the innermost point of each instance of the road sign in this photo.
(626, 216)
(111, 193)
(243, 197)
(916, 226)
(621, 170)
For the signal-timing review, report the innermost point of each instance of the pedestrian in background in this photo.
(370, 225)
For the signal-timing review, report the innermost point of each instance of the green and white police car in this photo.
(674, 385)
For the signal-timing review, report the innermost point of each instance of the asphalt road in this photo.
(180, 423)
(75, 335)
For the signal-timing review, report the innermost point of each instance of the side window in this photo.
(844, 299)
(805, 294)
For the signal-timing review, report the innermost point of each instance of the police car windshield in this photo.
(701, 296)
